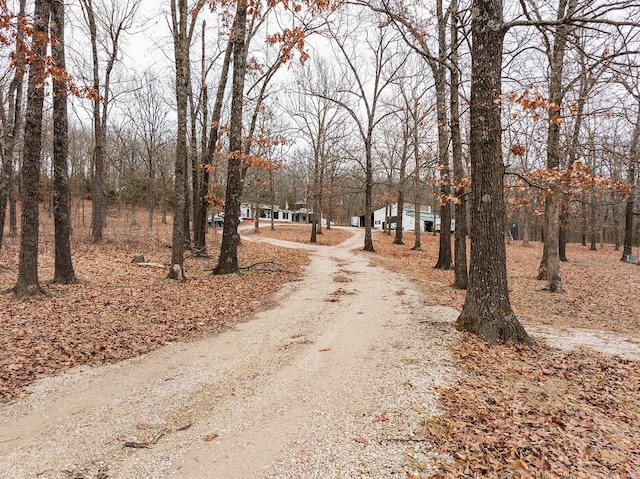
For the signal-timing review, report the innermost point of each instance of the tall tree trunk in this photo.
(387, 219)
(585, 85)
(151, 196)
(461, 277)
(179, 14)
(63, 269)
(316, 188)
(584, 224)
(368, 192)
(604, 227)
(13, 208)
(98, 209)
(12, 126)
(194, 108)
(631, 180)
(417, 199)
(401, 184)
(550, 255)
(256, 217)
(272, 197)
(487, 310)
(445, 258)
(400, 213)
(562, 245)
(200, 187)
(553, 263)
(228, 260)
(320, 187)
(526, 226)
(186, 217)
(594, 227)
(203, 188)
(616, 228)
(27, 283)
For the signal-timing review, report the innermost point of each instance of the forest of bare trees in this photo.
(520, 120)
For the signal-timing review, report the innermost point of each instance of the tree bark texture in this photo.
(368, 193)
(179, 14)
(400, 214)
(487, 310)
(461, 277)
(12, 125)
(417, 199)
(63, 267)
(550, 255)
(593, 226)
(228, 260)
(631, 180)
(316, 192)
(216, 114)
(562, 239)
(401, 182)
(27, 283)
(445, 258)
(98, 209)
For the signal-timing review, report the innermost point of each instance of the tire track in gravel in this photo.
(331, 382)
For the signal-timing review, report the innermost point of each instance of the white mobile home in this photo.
(300, 214)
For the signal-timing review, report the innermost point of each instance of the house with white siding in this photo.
(428, 220)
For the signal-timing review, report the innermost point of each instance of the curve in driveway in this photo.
(331, 382)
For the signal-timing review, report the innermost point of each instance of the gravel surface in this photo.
(332, 382)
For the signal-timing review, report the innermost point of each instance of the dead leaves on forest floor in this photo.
(537, 412)
(301, 233)
(600, 290)
(121, 310)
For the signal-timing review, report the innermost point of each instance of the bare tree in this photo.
(319, 121)
(148, 118)
(182, 32)
(114, 20)
(247, 22)
(461, 278)
(487, 310)
(416, 37)
(12, 121)
(366, 88)
(228, 260)
(28, 283)
(63, 266)
(212, 144)
(632, 163)
(550, 265)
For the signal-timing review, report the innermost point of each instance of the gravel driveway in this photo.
(332, 382)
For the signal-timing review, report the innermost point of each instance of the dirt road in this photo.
(330, 383)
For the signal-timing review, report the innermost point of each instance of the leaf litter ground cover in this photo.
(120, 309)
(300, 233)
(537, 412)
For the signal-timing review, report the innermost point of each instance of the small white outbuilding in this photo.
(428, 220)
